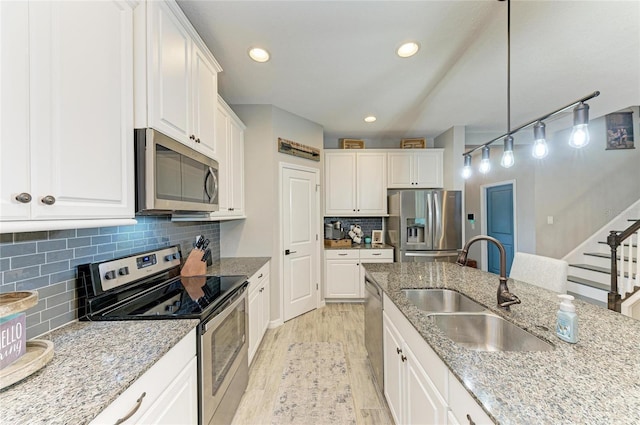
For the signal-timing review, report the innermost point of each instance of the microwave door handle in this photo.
(211, 174)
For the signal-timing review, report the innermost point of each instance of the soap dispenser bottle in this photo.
(567, 323)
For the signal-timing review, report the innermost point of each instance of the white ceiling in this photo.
(334, 62)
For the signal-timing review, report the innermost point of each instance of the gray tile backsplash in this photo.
(47, 261)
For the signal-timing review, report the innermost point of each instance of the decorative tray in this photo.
(39, 353)
(15, 302)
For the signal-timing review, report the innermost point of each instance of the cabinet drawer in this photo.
(376, 254)
(257, 277)
(341, 254)
(152, 383)
(463, 406)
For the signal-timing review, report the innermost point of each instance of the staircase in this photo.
(589, 275)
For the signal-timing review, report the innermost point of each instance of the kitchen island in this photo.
(596, 381)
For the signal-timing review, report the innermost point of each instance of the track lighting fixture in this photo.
(578, 139)
(507, 155)
(580, 134)
(485, 163)
(540, 149)
(466, 171)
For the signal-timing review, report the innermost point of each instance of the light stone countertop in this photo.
(93, 363)
(596, 381)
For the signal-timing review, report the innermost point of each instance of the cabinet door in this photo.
(424, 404)
(169, 73)
(342, 279)
(14, 110)
(400, 167)
(178, 404)
(255, 318)
(428, 169)
(81, 109)
(235, 159)
(205, 104)
(222, 142)
(266, 307)
(393, 368)
(340, 183)
(372, 183)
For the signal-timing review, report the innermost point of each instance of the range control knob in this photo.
(171, 257)
(123, 271)
(111, 274)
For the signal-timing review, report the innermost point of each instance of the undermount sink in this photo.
(486, 332)
(441, 301)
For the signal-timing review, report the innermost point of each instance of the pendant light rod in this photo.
(530, 123)
(508, 67)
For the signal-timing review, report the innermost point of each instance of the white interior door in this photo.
(299, 237)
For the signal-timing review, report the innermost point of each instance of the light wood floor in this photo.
(334, 323)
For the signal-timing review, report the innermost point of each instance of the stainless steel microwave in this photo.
(172, 177)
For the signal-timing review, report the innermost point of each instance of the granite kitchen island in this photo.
(596, 381)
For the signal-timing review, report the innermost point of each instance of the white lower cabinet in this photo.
(410, 393)
(418, 386)
(167, 393)
(259, 310)
(344, 274)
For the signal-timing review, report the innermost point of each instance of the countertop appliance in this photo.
(172, 177)
(148, 286)
(424, 225)
(373, 327)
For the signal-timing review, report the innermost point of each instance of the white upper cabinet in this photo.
(415, 169)
(178, 82)
(230, 143)
(66, 110)
(355, 183)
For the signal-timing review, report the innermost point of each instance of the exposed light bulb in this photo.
(579, 136)
(507, 160)
(485, 163)
(466, 170)
(540, 149)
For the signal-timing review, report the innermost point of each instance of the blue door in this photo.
(500, 225)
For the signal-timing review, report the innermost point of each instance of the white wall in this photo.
(453, 143)
(259, 234)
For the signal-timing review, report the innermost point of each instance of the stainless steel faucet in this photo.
(505, 298)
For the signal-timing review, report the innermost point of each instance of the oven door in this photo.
(224, 360)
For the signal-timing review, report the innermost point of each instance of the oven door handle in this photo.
(225, 310)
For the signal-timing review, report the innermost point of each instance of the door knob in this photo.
(287, 252)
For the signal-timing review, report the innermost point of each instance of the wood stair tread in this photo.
(588, 282)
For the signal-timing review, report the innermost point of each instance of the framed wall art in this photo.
(620, 130)
(376, 237)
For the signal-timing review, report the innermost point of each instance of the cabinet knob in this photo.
(24, 198)
(48, 200)
(192, 137)
(198, 140)
(470, 420)
(398, 350)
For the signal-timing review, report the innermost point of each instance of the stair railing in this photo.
(629, 278)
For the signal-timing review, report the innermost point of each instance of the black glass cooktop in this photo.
(180, 297)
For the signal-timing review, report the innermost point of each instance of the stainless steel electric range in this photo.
(148, 286)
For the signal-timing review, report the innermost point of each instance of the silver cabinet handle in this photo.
(376, 253)
(132, 411)
(342, 254)
(48, 200)
(260, 277)
(24, 198)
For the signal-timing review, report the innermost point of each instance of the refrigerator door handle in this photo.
(429, 237)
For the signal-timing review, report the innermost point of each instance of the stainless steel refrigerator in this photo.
(424, 225)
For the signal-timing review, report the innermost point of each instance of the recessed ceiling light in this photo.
(370, 118)
(408, 49)
(258, 54)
